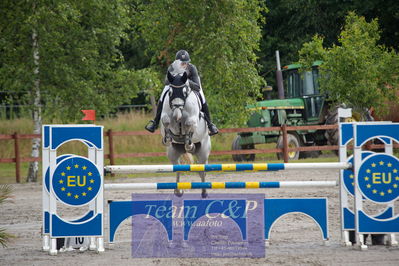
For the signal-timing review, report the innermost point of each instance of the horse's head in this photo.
(178, 93)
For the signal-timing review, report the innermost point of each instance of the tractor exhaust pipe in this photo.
(279, 77)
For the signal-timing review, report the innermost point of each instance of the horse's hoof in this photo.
(166, 141)
(189, 148)
(179, 192)
(204, 194)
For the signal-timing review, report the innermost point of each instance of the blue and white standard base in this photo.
(75, 181)
(375, 178)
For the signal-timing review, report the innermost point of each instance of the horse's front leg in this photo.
(188, 144)
(167, 139)
(190, 127)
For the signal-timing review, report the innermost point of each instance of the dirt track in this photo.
(295, 239)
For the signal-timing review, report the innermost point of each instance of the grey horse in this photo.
(183, 127)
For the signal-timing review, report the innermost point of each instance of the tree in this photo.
(221, 37)
(63, 56)
(291, 23)
(147, 81)
(358, 71)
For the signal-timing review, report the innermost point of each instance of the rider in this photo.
(182, 61)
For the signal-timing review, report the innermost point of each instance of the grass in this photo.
(133, 121)
(5, 193)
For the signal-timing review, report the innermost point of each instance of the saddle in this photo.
(199, 99)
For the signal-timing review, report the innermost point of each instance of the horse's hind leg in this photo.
(174, 155)
(178, 192)
(203, 159)
(202, 155)
(204, 194)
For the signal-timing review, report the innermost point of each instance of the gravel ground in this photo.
(295, 239)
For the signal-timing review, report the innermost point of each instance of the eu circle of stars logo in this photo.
(349, 176)
(76, 181)
(378, 178)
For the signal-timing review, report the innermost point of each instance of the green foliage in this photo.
(310, 52)
(291, 23)
(221, 37)
(146, 80)
(79, 67)
(5, 193)
(90, 51)
(358, 72)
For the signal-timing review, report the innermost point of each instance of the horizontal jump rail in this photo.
(220, 185)
(133, 169)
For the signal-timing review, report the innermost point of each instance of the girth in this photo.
(177, 138)
(180, 138)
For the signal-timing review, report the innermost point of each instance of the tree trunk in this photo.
(153, 104)
(36, 112)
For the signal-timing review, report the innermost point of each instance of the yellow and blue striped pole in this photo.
(220, 185)
(252, 167)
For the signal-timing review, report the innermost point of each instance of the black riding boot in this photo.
(153, 124)
(213, 130)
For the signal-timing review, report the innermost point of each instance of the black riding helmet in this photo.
(183, 56)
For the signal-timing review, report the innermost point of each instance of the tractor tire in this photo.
(293, 142)
(332, 135)
(309, 154)
(241, 157)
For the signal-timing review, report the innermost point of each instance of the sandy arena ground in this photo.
(295, 239)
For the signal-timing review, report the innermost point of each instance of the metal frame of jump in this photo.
(367, 182)
(78, 181)
(74, 181)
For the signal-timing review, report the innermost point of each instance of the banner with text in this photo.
(221, 225)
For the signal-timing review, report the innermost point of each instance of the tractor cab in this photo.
(305, 85)
(302, 105)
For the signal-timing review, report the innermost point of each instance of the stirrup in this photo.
(151, 126)
(213, 130)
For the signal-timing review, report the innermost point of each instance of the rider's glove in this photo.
(194, 86)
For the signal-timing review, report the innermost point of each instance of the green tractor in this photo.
(302, 105)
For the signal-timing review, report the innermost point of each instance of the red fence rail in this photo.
(112, 155)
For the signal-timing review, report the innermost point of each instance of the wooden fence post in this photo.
(285, 143)
(17, 158)
(111, 147)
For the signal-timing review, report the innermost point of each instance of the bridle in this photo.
(178, 92)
